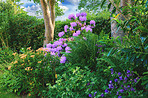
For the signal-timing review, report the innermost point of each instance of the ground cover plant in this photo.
(80, 63)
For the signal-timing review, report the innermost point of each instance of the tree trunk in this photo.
(49, 28)
(52, 11)
(117, 31)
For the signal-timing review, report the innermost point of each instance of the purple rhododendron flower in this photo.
(88, 29)
(92, 22)
(59, 48)
(62, 59)
(52, 53)
(48, 45)
(61, 34)
(82, 28)
(82, 18)
(125, 78)
(71, 28)
(75, 34)
(65, 28)
(73, 24)
(110, 86)
(64, 45)
(71, 17)
(110, 81)
(68, 52)
(67, 48)
(83, 14)
(78, 14)
(102, 95)
(78, 32)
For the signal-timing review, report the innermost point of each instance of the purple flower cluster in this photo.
(57, 47)
(60, 45)
(71, 17)
(124, 84)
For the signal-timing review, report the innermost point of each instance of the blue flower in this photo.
(120, 78)
(106, 91)
(121, 90)
(128, 71)
(119, 96)
(102, 95)
(119, 73)
(90, 95)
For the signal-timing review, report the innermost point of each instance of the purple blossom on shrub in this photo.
(71, 17)
(82, 28)
(78, 32)
(71, 28)
(65, 28)
(64, 45)
(83, 14)
(48, 45)
(62, 59)
(82, 18)
(78, 14)
(88, 29)
(92, 22)
(67, 48)
(75, 34)
(61, 34)
(73, 24)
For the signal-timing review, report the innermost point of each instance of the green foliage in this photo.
(20, 30)
(92, 6)
(30, 72)
(84, 50)
(74, 82)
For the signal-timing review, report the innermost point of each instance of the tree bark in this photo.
(52, 11)
(49, 28)
(117, 31)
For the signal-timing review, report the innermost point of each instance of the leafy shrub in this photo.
(20, 30)
(31, 71)
(72, 83)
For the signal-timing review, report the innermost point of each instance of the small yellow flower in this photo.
(27, 68)
(39, 61)
(55, 75)
(14, 54)
(29, 48)
(32, 56)
(22, 64)
(15, 62)
(9, 68)
(24, 56)
(29, 94)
